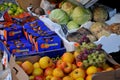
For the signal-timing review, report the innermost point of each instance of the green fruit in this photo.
(10, 4)
(14, 6)
(5, 3)
(10, 12)
(20, 10)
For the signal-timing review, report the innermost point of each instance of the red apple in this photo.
(67, 67)
(58, 64)
(39, 77)
(56, 78)
(48, 71)
(74, 66)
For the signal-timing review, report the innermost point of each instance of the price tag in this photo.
(65, 29)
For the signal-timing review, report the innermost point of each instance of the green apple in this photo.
(19, 10)
(10, 12)
(14, 6)
(5, 3)
(10, 4)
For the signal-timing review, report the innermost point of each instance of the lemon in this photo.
(89, 77)
(91, 70)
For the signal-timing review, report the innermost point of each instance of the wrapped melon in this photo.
(59, 16)
(81, 15)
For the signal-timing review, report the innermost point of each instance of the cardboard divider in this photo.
(20, 74)
(26, 3)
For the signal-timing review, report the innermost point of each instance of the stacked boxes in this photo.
(19, 46)
(29, 38)
(41, 36)
(12, 32)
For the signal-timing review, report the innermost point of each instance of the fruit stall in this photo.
(59, 40)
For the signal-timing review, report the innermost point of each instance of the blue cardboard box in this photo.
(36, 25)
(13, 32)
(19, 45)
(48, 43)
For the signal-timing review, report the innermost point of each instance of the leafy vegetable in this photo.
(59, 16)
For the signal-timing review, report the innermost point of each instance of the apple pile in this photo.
(65, 68)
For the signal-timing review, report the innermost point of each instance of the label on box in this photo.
(48, 43)
(13, 32)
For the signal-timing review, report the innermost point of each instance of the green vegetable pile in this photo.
(71, 15)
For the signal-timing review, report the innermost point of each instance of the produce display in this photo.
(98, 29)
(25, 35)
(76, 36)
(100, 13)
(114, 28)
(64, 68)
(13, 9)
(71, 15)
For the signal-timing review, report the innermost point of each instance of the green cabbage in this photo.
(72, 25)
(81, 15)
(59, 16)
(68, 7)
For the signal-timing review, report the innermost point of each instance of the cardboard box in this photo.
(48, 43)
(109, 75)
(19, 74)
(17, 71)
(13, 32)
(19, 45)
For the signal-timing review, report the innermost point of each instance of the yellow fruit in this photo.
(109, 69)
(36, 65)
(74, 66)
(76, 53)
(48, 71)
(57, 72)
(68, 57)
(37, 72)
(89, 77)
(55, 78)
(49, 77)
(78, 72)
(19, 63)
(27, 67)
(31, 77)
(91, 70)
(67, 78)
(80, 78)
(105, 66)
(45, 62)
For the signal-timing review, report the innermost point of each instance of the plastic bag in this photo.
(47, 6)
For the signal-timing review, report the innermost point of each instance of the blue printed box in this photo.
(19, 45)
(48, 43)
(13, 32)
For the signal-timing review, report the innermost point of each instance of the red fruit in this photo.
(39, 78)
